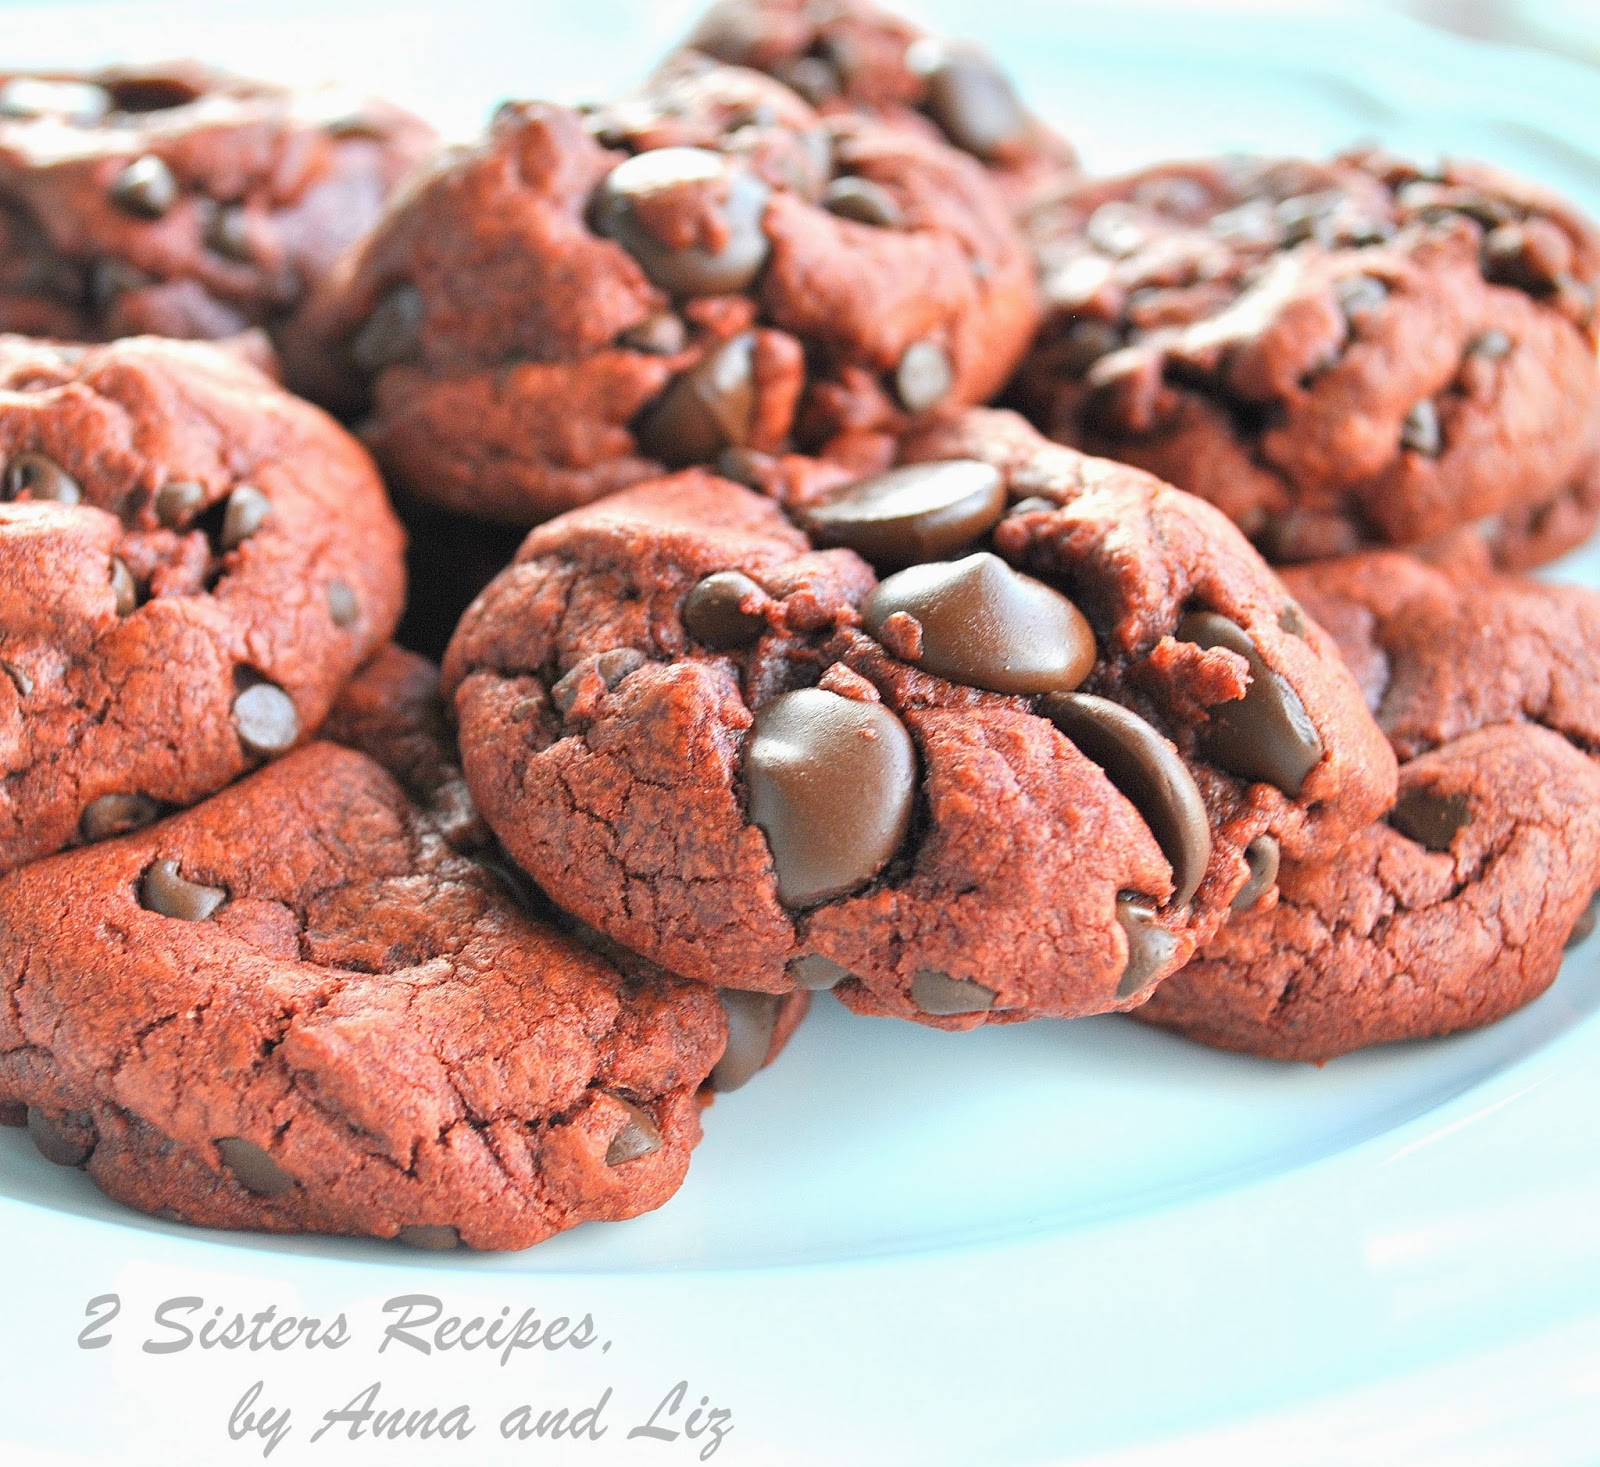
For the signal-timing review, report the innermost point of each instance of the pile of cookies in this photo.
(771, 628)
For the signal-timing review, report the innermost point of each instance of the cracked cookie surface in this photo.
(1337, 354)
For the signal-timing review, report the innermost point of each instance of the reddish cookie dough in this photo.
(363, 1035)
(192, 563)
(846, 55)
(1336, 354)
(177, 201)
(946, 853)
(658, 281)
(1455, 910)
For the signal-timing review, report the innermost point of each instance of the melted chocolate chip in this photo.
(1150, 946)
(1430, 819)
(1292, 619)
(863, 201)
(752, 1017)
(924, 377)
(431, 1237)
(987, 625)
(228, 233)
(391, 333)
(831, 784)
(723, 611)
(938, 993)
(113, 815)
(41, 478)
(1148, 771)
(1492, 345)
(1265, 735)
(66, 1143)
(610, 667)
(343, 608)
(19, 678)
(970, 98)
(638, 1136)
(146, 187)
(1421, 432)
(660, 335)
(920, 512)
(817, 973)
(266, 719)
(168, 894)
(709, 408)
(247, 510)
(178, 503)
(253, 1167)
(1262, 857)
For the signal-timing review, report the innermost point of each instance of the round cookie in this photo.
(1456, 909)
(663, 279)
(178, 201)
(850, 55)
(1019, 775)
(1336, 354)
(192, 563)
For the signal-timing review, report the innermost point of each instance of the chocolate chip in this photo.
(1150, 945)
(19, 678)
(253, 1168)
(390, 334)
(816, 973)
(432, 1237)
(178, 503)
(1148, 771)
(1431, 819)
(1082, 345)
(924, 377)
(938, 993)
(112, 815)
(64, 1143)
(1421, 432)
(145, 187)
(1588, 919)
(987, 625)
(343, 607)
(707, 409)
(1266, 734)
(970, 98)
(247, 511)
(831, 784)
(1492, 345)
(1292, 619)
(110, 279)
(1359, 294)
(610, 667)
(1262, 857)
(168, 894)
(1115, 229)
(638, 1136)
(40, 478)
(228, 233)
(863, 201)
(266, 719)
(660, 335)
(741, 203)
(911, 514)
(724, 611)
(37, 96)
(124, 589)
(752, 1017)
(149, 93)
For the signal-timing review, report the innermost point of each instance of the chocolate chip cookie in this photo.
(849, 55)
(1337, 354)
(192, 563)
(1018, 765)
(666, 278)
(177, 201)
(1454, 910)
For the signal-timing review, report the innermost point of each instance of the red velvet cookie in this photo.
(1022, 773)
(1336, 354)
(1455, 910)
(177, 201)
(581, 299)
(192, 563)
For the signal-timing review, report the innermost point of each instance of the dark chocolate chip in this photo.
(1431, 819)
(610, 667)
(709, 408)
(266, 719)
(911, 514)
(970, 98)
(432, 1237)
(109, 279)
(19, 678)
(113, 815)
(1266, 734)
(817, 973)
(924, 377)
(247, 511)
(1492, 345)
(390, 334)
(638, 1136)
(1261, 856)
(741, 202)
(660, 335)
(831, 783)
(1587, 921)
(752, 1017)
(253, 1168)
(863, 201)
(178, 503)
(343, 607)
(1292, 619)
(228, 233)
(938, 993)
(38, 477)
(1359, 294)
(168, 894)
(1147, 769)
(146, 187)
(1421, 432)
(64, 1143)
(987, 625)
(124, 589)
(152, 93)
(1150, 945)
(724, 611)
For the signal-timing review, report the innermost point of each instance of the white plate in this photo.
(1033, 1244)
